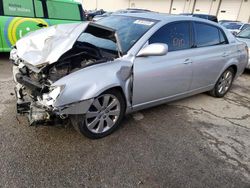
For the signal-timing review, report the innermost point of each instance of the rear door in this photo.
(161, 77)
(212, 53)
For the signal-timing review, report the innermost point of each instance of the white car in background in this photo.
(244, 36)
(235, 27)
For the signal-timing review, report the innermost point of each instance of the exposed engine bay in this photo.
(79, 57)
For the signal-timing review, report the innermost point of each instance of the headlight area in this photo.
(49, 99)
(42, 111)
(14, 56)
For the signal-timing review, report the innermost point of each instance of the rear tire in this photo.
(103, 117)
(224, 83)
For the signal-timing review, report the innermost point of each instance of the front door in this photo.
(159, 77)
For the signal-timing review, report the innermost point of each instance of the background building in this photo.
(224, 9)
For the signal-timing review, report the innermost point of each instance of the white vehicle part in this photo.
(36, 47)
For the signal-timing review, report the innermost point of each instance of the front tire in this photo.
(103, 117)
(224, 83)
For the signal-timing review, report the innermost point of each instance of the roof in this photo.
(164, 17)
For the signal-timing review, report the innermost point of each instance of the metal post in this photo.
(219, 6)
(239, 10)
(171, 4)
(194, 6)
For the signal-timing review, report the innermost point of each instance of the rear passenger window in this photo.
(62, 10)
(207, 35)
(22, 8)
(223, 39)
(175, 35)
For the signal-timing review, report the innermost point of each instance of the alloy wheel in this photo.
(225, 82)
(103, 113)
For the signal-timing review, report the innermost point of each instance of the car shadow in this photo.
(4, 55)
(247, 71)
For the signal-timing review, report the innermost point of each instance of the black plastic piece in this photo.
(25, 80)
(23, 107)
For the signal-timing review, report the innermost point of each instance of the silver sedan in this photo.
(94, 73)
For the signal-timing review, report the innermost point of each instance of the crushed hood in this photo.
(45, 46)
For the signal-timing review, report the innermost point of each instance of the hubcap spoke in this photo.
(228, 74)
(91, 114)
(112, 104)
(97, 104)
(93, 123)
(100, 126)
(220, 89)
(109, 121)
(114, 113)
(106, 101)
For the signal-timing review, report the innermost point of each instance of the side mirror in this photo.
(156, 49)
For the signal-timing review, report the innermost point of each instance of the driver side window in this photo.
(175, 35)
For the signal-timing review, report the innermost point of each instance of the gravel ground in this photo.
(196, 142)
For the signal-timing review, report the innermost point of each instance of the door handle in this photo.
(188, 61)
(225, 54)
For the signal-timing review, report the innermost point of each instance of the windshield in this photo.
(245, 33)
(129, 30)
(232, 25)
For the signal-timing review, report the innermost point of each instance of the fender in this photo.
(93, 81)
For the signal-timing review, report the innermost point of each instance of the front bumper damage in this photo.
(37, 102)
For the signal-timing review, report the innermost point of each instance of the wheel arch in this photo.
(119, 89)
(235, 68)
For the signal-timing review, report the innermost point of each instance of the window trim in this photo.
(211, 25)
(1, 8)
(83, 18)
(191, 33)
(45, 9)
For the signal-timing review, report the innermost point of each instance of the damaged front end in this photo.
(35, 96)
(36, 69)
